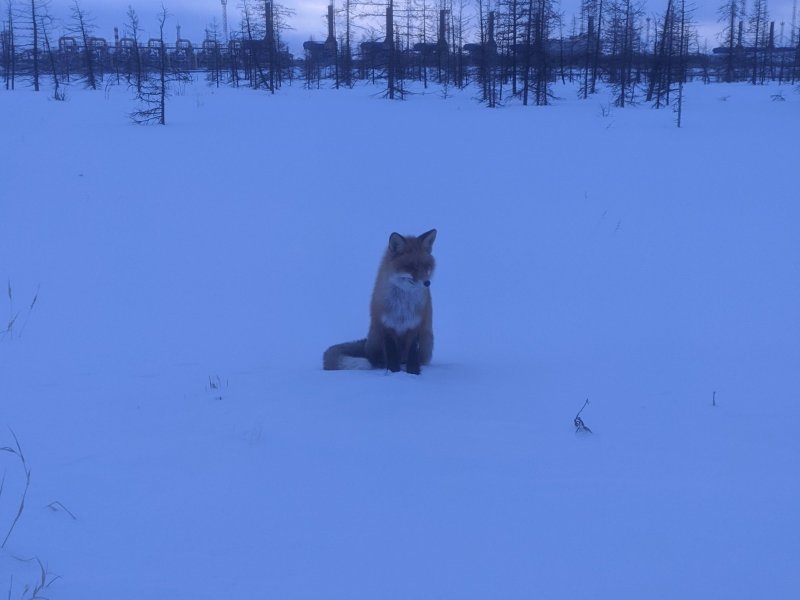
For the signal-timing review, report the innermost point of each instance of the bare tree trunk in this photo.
(83, 28)
(11, 69)
(347, 51)
(660, 79)
(162, 80)
(526, 63)
(57, 93)
(598, 47)
(731, 41)
(136, 56)
(35, 49)
(682, 64)
(155, 91)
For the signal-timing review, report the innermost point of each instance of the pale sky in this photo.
(309, 20)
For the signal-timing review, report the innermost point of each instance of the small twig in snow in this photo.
(30, 310)
(580, 426)
(57, 506)
(26, 468)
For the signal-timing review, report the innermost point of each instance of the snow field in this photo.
(166, 387)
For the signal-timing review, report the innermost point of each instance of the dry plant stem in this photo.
(41, 585)
(578, 422)
(30, 310)
(56, 506)
(585, 404)
(18, 452)
(12, 316)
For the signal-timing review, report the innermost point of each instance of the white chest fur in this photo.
(403, 302)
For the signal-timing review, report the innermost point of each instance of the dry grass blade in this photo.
(18, 452)
(57, 506)
(15, 316)
(30, 310)
(10, 326)
(35, 297)
(45, 580)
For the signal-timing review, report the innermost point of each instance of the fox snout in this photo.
(417, 280)
(410, 280)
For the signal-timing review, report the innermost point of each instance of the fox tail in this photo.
(350, 355)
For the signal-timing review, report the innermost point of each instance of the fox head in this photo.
(411, 257)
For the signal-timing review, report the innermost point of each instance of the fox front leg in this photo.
(413, 362)
(392, 352)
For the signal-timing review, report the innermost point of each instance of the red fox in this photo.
(401, 325)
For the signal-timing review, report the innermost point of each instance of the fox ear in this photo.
(397, 243)
(427, 240)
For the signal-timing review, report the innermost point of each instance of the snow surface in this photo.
(166, 386)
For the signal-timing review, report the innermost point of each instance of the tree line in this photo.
(506, 49)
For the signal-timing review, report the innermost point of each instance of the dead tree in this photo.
(155, 91)
(264, 54)
(485, 57)
(34, 23)
(457, 26)
(527, 52)
(660, 75)
(10, 50)
(82, 26)
(45, 23)
(592, 16)
(391, 49)
(132, 51)
(682, 58)
(250, 38)
(757, 30)
(383, 56)
(729, 13)
(543, 22)
(270, 45)
(345, 58)
(669, 68)
(622, 39)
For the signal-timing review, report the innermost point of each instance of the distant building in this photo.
(323, 52)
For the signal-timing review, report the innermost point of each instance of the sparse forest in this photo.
(508, 50)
